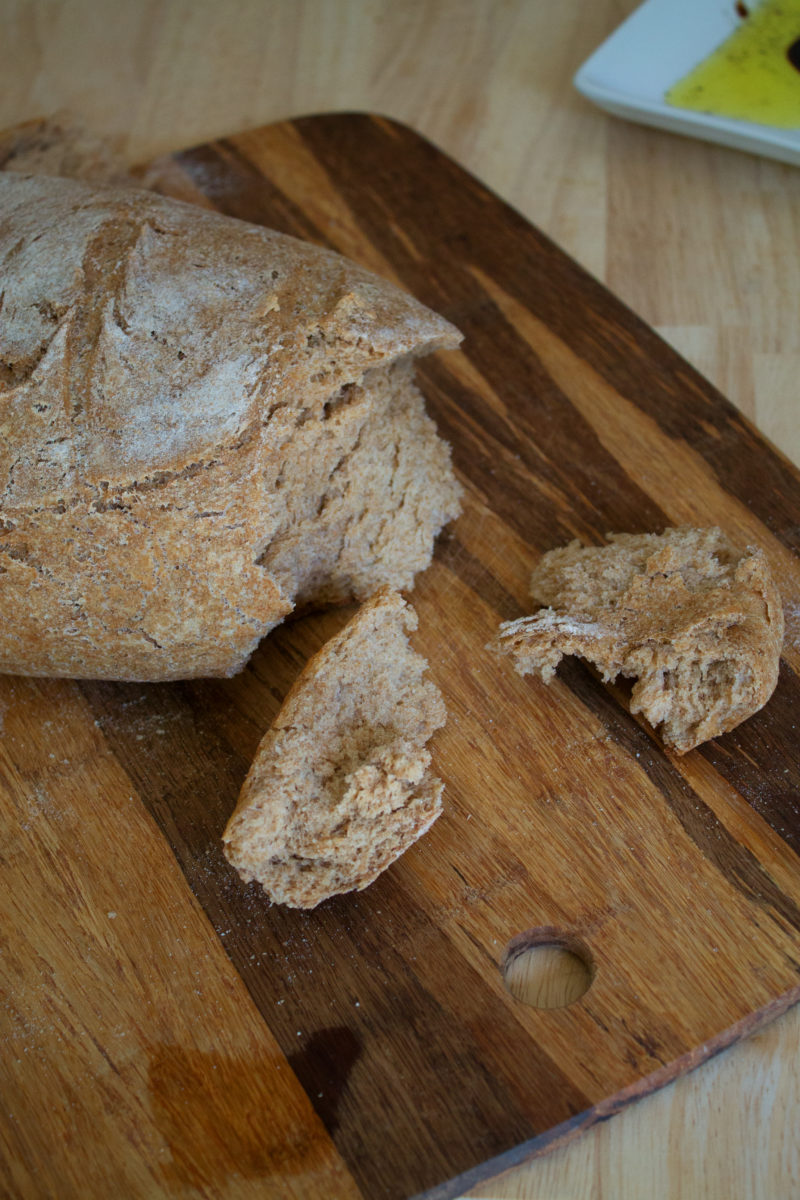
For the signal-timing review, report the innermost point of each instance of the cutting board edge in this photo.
(560, 1135)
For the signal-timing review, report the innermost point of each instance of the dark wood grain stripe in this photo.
(734, 862)
(546, 472)
(451, 553)
(235, 186)
(383, 175)
(754, 760)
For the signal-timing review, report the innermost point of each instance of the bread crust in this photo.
(160, 365)
(697, 623)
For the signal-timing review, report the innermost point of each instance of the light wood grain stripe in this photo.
(134, 1062)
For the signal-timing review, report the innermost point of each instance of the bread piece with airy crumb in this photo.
(341, 784)
(695, 621)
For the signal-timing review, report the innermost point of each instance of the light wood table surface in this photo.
(702, 242)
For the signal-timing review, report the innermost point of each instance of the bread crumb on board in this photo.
(695, 621)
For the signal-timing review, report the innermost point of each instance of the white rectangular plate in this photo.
(658, 44)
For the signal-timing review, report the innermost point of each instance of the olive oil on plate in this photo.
(755, 74)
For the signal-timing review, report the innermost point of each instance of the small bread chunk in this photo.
(341, 785)
(696, 622)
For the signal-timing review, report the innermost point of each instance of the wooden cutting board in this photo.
(165, 1030)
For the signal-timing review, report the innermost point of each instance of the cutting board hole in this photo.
(546, 968)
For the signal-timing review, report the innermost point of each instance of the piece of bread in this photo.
(341, 784)
(204, 423)
(696, 622)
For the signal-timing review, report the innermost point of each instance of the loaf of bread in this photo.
(341, 784)
(696, 622)
(204, 424)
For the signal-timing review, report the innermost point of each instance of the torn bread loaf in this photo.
(204, 423)
(696, 622)
(341, 784)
